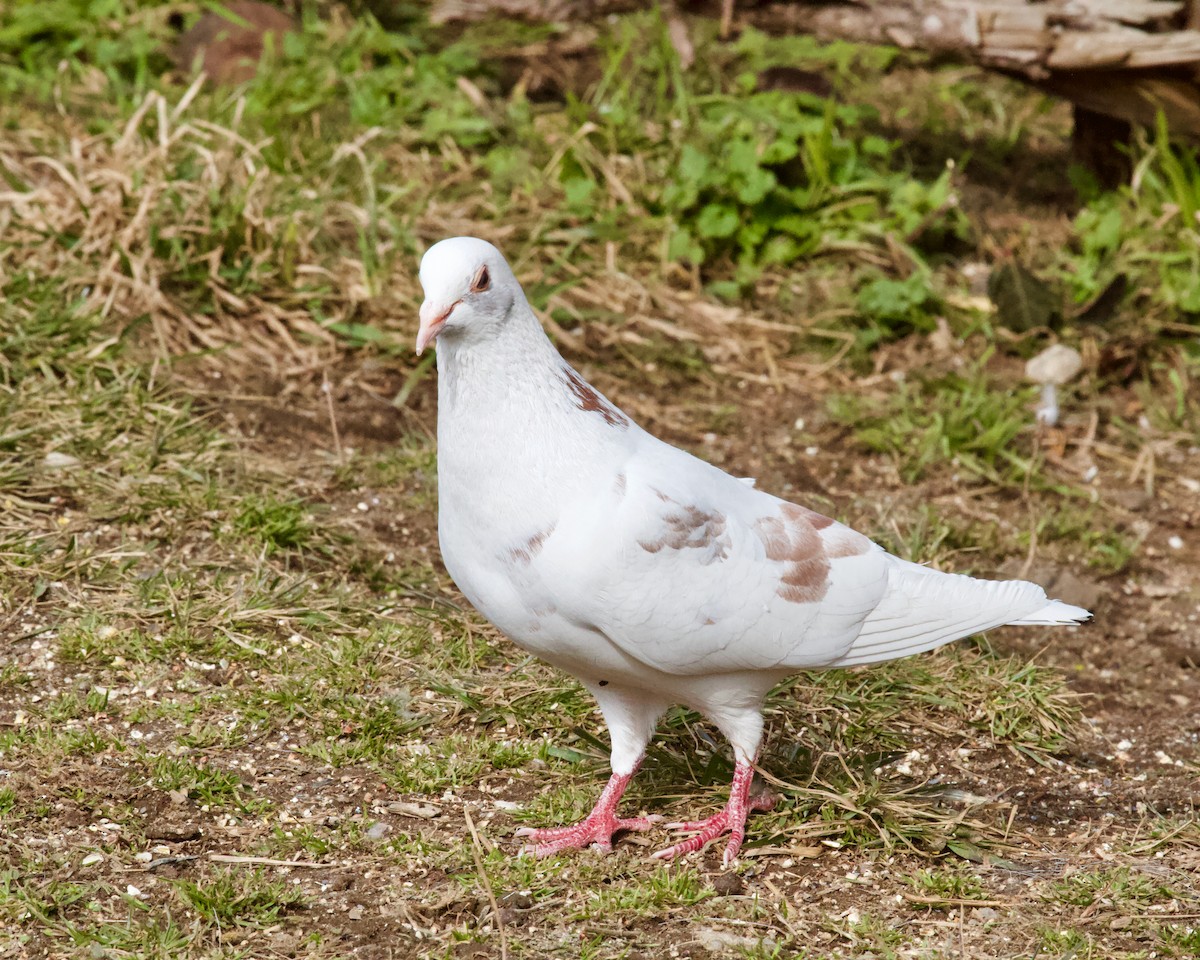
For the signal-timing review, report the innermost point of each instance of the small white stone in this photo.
(92, 859)
(378, 831)
(59, 461)
(1175, 542)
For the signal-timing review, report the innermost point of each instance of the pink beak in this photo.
(433, 318)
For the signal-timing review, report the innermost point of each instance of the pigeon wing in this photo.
(692, 572)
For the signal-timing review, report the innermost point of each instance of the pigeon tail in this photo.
(1054, 613)
(925, 609)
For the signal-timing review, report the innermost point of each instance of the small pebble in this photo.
(426, 811)
(378, 831)
(728, 885)
(59, 461)
(519, 899)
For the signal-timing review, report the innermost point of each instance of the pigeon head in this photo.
(469, 291)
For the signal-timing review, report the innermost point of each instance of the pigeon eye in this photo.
(482, 280)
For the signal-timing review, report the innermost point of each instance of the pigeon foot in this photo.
(596, 829)
(731, 820)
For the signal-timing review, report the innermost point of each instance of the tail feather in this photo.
(1052, 614)
(924, 609)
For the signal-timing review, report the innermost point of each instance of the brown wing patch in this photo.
(589, 400)
(848, 543)
(689, 527)
(525, 552)
(792, 539)
(818, 520)
(843, 542)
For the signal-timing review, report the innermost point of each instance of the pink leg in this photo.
(731, 819)
(596, 829)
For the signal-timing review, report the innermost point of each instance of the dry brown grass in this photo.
(123, 221)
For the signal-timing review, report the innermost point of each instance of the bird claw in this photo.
(594, 831)
(706, 831)
(727, 821)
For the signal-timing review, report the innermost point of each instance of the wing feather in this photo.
(696, 572)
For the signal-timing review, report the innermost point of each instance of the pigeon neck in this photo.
(485, 371)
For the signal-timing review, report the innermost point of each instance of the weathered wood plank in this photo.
(1123, 47)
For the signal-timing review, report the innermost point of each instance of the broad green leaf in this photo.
(717, 220)
(755, 186)
(1022, 300)
(683, 246)
(693, 165)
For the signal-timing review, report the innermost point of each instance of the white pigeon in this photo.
(652, 576)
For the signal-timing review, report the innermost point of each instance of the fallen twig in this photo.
(263, 861)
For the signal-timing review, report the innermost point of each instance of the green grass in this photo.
(1066, 943)
(959, 423)
(1182, 940)
(948, 885)
(236, 898)
(1087, 536)
(1121, 886)
(203, 784)
(279, 524)
(873, 936)
(664, 888)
